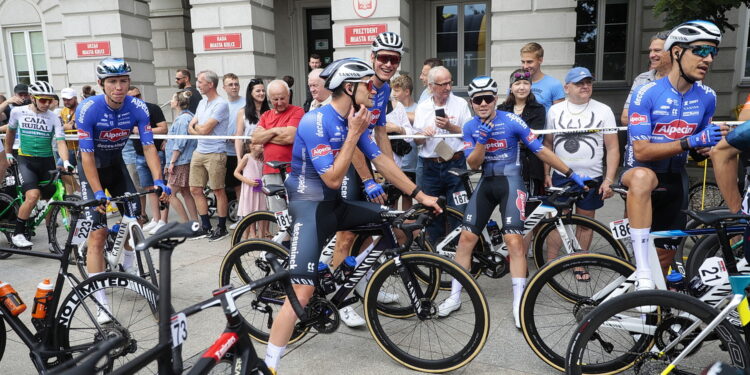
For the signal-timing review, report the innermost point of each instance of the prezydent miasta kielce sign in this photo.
(214, 42)
(362, 34)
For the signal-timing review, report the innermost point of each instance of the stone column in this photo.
(124, 24)
(173, 46)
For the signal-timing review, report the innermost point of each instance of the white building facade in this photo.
(61, 40)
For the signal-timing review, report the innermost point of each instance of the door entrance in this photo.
(319, 34)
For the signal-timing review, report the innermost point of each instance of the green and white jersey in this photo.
(36, 131)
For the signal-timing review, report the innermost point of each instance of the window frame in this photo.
(743, 80)
(458, 86)
(29, 54)
(599, 51)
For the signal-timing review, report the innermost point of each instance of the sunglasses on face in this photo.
(479, 99)
(369, 82)
(703, 50)
(385, 59)
(42, 100)
(178, 79)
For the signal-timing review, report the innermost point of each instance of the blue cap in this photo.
(577, 74)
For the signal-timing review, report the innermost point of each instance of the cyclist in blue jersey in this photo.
(724, 161)
(322, 153)
(667, 118)
(104, 124)
(491, 141)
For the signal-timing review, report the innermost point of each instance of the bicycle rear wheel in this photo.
(246, 262)
(616, 336)
(554, 301)
(259, 224)
(700, 201)
(427, 342)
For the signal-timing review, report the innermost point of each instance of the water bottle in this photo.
(494, 232)
(345, 269)
(676, 282)
(326, 284)
(41, 299)
(9, 297)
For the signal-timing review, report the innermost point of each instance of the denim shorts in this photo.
(144, 173)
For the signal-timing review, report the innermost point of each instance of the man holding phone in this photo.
(440, 115)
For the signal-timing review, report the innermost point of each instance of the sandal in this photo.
(582, 276)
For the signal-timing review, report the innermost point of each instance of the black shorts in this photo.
(509, 192)
(33, 170)
(229, 180)
(115, 179)
(313, 223)
(667, 206)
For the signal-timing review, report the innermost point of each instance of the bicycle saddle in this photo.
(77, 204)
(460, 172)
(272, 190)
(278, 164)
(170, 230)
(712, 217)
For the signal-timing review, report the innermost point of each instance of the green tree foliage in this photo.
(678, 11)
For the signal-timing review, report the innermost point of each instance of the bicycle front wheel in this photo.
(8, 214)
(259, 224)
(592, 235)
(129, 302)
(708, 247)
(554, 301)
(58, 225)
(426, 341)
(617, 336)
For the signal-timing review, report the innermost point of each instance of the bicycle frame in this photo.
(128, 225)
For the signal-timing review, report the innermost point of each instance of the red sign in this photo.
(215, 42)
(362, 34)
(93, 49)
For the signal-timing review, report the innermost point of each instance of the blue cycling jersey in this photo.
(660, 114)
(502, 153)
(320, 136)
(104, 131)
(378, 110)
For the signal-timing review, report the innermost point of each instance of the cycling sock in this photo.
(273, 355)
(639, 239)
(456, 290)
(519, 283)
(127, 259)
(205, 221)
(20, 226)
(222, 222)
(100, 294)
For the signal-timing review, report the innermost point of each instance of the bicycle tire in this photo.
(384, 329)
(228, 364)
(58, 227)
(8, 220)
(639, 345)
(549, 313)
(3, 338)
(708, 247)
(713, 196)
(249, 220)
(604, 244)
(133, 302)
(245, 262)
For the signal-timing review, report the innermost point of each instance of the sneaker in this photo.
(644, 284)
(19, 240)
(350, 317)
(233, 226)
(103, 315)
(448, 306)
(156, 228)
(205, 232)
(151, 224)
(218, 234)
(386, 298)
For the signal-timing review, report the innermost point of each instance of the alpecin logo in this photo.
(496, 144)
(320, 150)
(114, 135)
(675, 129)
(637, 118)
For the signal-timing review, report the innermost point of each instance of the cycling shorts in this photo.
(739, 138)
(509, 192)
(32, 170)
(314, 223)
(116, 180)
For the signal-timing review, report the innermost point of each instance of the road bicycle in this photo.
(264, 223)
(554, 302)
(408, 329)
(98, 307)
(57, 218)
(120, 236)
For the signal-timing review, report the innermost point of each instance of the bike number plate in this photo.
(620, 228)
(81, 233)
(282, 218)
(460, 197)
(713, 271)
(178, 325)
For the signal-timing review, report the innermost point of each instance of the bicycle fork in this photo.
(416, 296)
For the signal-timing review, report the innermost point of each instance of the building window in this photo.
(601, 37)
(747, 55)
(461, 39)
(29, 59)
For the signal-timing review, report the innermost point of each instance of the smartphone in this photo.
(440, 112)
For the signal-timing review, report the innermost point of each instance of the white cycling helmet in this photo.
(345, 70)
(481, 84)
(693, 31)
(42, 88)
(112, 67)
(388, 41)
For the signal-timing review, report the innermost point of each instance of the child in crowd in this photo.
(249, 171)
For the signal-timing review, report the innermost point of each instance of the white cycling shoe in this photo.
(350, 317)
(645, 284)
(19, 240)
(151, 224)
(517, 314)
(448, 306)
(102, 317)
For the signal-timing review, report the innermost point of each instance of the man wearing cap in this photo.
(68, 117)
(584, 152)
(20, 97)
